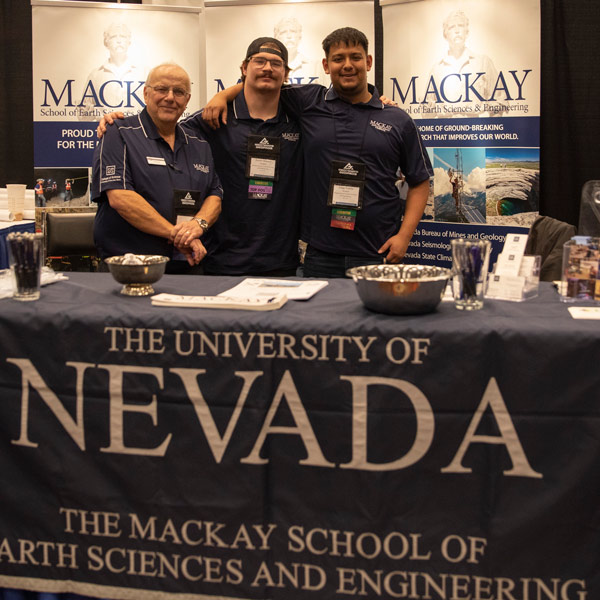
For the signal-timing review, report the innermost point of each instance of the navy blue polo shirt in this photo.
(133, 156)
(382, 137)
(252, 235)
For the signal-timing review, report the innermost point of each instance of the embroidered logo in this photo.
(187, 200)
(111, 169)
(291, 137)
(380, 126)
(202, 168)
(264, 145)
(348, 170)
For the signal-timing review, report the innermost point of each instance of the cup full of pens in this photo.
(470, 261)
(26, 253)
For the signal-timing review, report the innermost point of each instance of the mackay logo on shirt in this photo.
(202, 168)
(264, 144)
(291, 137)
(385, 127)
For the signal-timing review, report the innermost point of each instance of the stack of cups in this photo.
(16, 200)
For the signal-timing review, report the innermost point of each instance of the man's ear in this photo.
(326, 66)
(369, 62)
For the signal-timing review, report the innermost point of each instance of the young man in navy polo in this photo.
(353, 145)
(259, 160)
(155, 185)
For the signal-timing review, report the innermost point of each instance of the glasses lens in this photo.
(261, 62)
(163, 91)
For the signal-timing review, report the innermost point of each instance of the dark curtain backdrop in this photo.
(570, 115)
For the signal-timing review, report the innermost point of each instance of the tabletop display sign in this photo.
(581, 267)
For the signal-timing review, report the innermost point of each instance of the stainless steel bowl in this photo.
(137, 279)
(400, 289)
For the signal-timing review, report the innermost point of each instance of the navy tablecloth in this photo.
(318, 451)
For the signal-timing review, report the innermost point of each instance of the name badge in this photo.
(156, 160)
(346, 184)
(186, 203)
(262, 165)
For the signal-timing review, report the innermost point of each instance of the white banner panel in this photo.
(300, 26)
(93, 58)
(468, 72)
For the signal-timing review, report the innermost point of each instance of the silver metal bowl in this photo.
(400, 289)
(137, 279)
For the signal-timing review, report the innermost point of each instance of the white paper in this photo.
(505, 287)
(345, 195)
(508, 263)
(515, 243)
(271, 302)
(293, 289)
(262, 167)
(585, 312)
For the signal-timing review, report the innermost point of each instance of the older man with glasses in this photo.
(259, 160)
(156, 185)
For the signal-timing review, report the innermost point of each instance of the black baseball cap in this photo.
(258, 46)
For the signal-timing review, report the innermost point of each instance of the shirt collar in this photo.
(151, 132)
(240, 109)
(374, 102)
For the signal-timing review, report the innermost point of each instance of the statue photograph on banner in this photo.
(114, 48)
(473, 89)
(301, 27)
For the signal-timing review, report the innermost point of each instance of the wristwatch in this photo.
(203, 224)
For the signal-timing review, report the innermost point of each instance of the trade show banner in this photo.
(90, 59)
(300, 26)
(468, 72)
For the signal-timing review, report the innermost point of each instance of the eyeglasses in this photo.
(260, 62)
(163, 90)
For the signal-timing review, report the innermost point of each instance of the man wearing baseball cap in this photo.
(259, 158)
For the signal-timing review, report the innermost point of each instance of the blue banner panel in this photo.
(430, 244)
(64, 143)
(491, 132)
